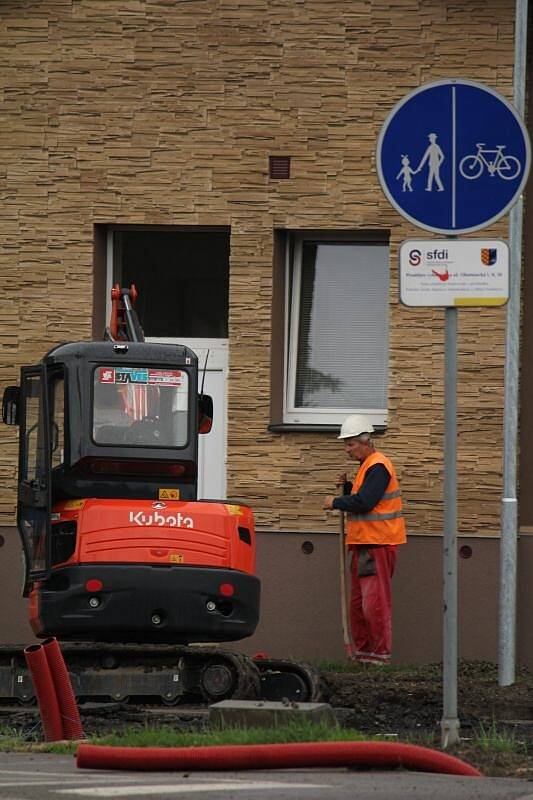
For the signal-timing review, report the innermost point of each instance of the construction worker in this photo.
(375, 526)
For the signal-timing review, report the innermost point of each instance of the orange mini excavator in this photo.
(118, 550)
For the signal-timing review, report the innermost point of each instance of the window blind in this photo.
(342, 351)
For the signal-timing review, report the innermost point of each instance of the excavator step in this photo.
(268, 714)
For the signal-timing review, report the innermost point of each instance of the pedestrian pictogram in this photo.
(453, 156)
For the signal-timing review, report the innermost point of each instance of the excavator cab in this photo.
(117, 546)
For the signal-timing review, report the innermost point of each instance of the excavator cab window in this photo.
(34, 497)
(140, 406)
(56, 389)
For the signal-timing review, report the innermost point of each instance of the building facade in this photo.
(221, 156)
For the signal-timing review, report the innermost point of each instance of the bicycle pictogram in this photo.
(494, 160)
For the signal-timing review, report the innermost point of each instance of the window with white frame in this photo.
(337, 330)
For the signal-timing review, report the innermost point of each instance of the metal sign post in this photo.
(450, 720)
(509, 508)
(452, 157)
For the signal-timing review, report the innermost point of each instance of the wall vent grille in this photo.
(279, 167)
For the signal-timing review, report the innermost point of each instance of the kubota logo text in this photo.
(171, 520)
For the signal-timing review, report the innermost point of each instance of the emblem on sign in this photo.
(489, 256)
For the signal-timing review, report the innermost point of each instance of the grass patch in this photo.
(10, 738)
(166, 736)
(15, 740)
(290, 732)
(486, 739)
(498, 740)
(30, 739)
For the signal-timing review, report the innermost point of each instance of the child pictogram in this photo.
(405, 173)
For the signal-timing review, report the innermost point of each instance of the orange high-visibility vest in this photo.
(384, 524)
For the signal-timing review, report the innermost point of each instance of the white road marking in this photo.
(185, 787)
(44, 779)
(76, 775)
(36, 782)
(63, 780)
(32, 773)
(43, 774)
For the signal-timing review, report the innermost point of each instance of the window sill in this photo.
(291, 427)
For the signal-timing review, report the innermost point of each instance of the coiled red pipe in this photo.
(45, 692)
(273, 756)
(68, 707)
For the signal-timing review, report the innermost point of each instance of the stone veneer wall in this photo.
(155, 112)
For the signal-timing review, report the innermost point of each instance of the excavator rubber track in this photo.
(164, 675)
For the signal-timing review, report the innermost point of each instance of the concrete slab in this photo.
(267, 714)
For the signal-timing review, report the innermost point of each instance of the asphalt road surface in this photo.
(43, 776)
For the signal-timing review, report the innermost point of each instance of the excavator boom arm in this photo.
(124, 324)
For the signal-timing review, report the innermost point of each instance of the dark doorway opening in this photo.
(182, 278)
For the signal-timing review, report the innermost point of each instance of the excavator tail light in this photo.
(94, 585)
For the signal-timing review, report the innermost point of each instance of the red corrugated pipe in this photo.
(68, 706)
(45, 692)
(273, 756)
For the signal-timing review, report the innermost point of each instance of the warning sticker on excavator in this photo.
(165, 377)
(176, 558)
(142, 375)
(235, 510)
(169, 494)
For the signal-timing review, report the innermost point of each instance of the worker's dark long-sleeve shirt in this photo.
(372, 490)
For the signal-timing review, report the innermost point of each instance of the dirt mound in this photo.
(402, 699)
(406, 702)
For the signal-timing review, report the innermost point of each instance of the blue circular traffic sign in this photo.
(453, 156)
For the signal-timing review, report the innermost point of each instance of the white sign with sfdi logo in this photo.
(454, 272)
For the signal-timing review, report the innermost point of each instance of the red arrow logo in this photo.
(442, 276)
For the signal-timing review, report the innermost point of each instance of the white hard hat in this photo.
(355, 425)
